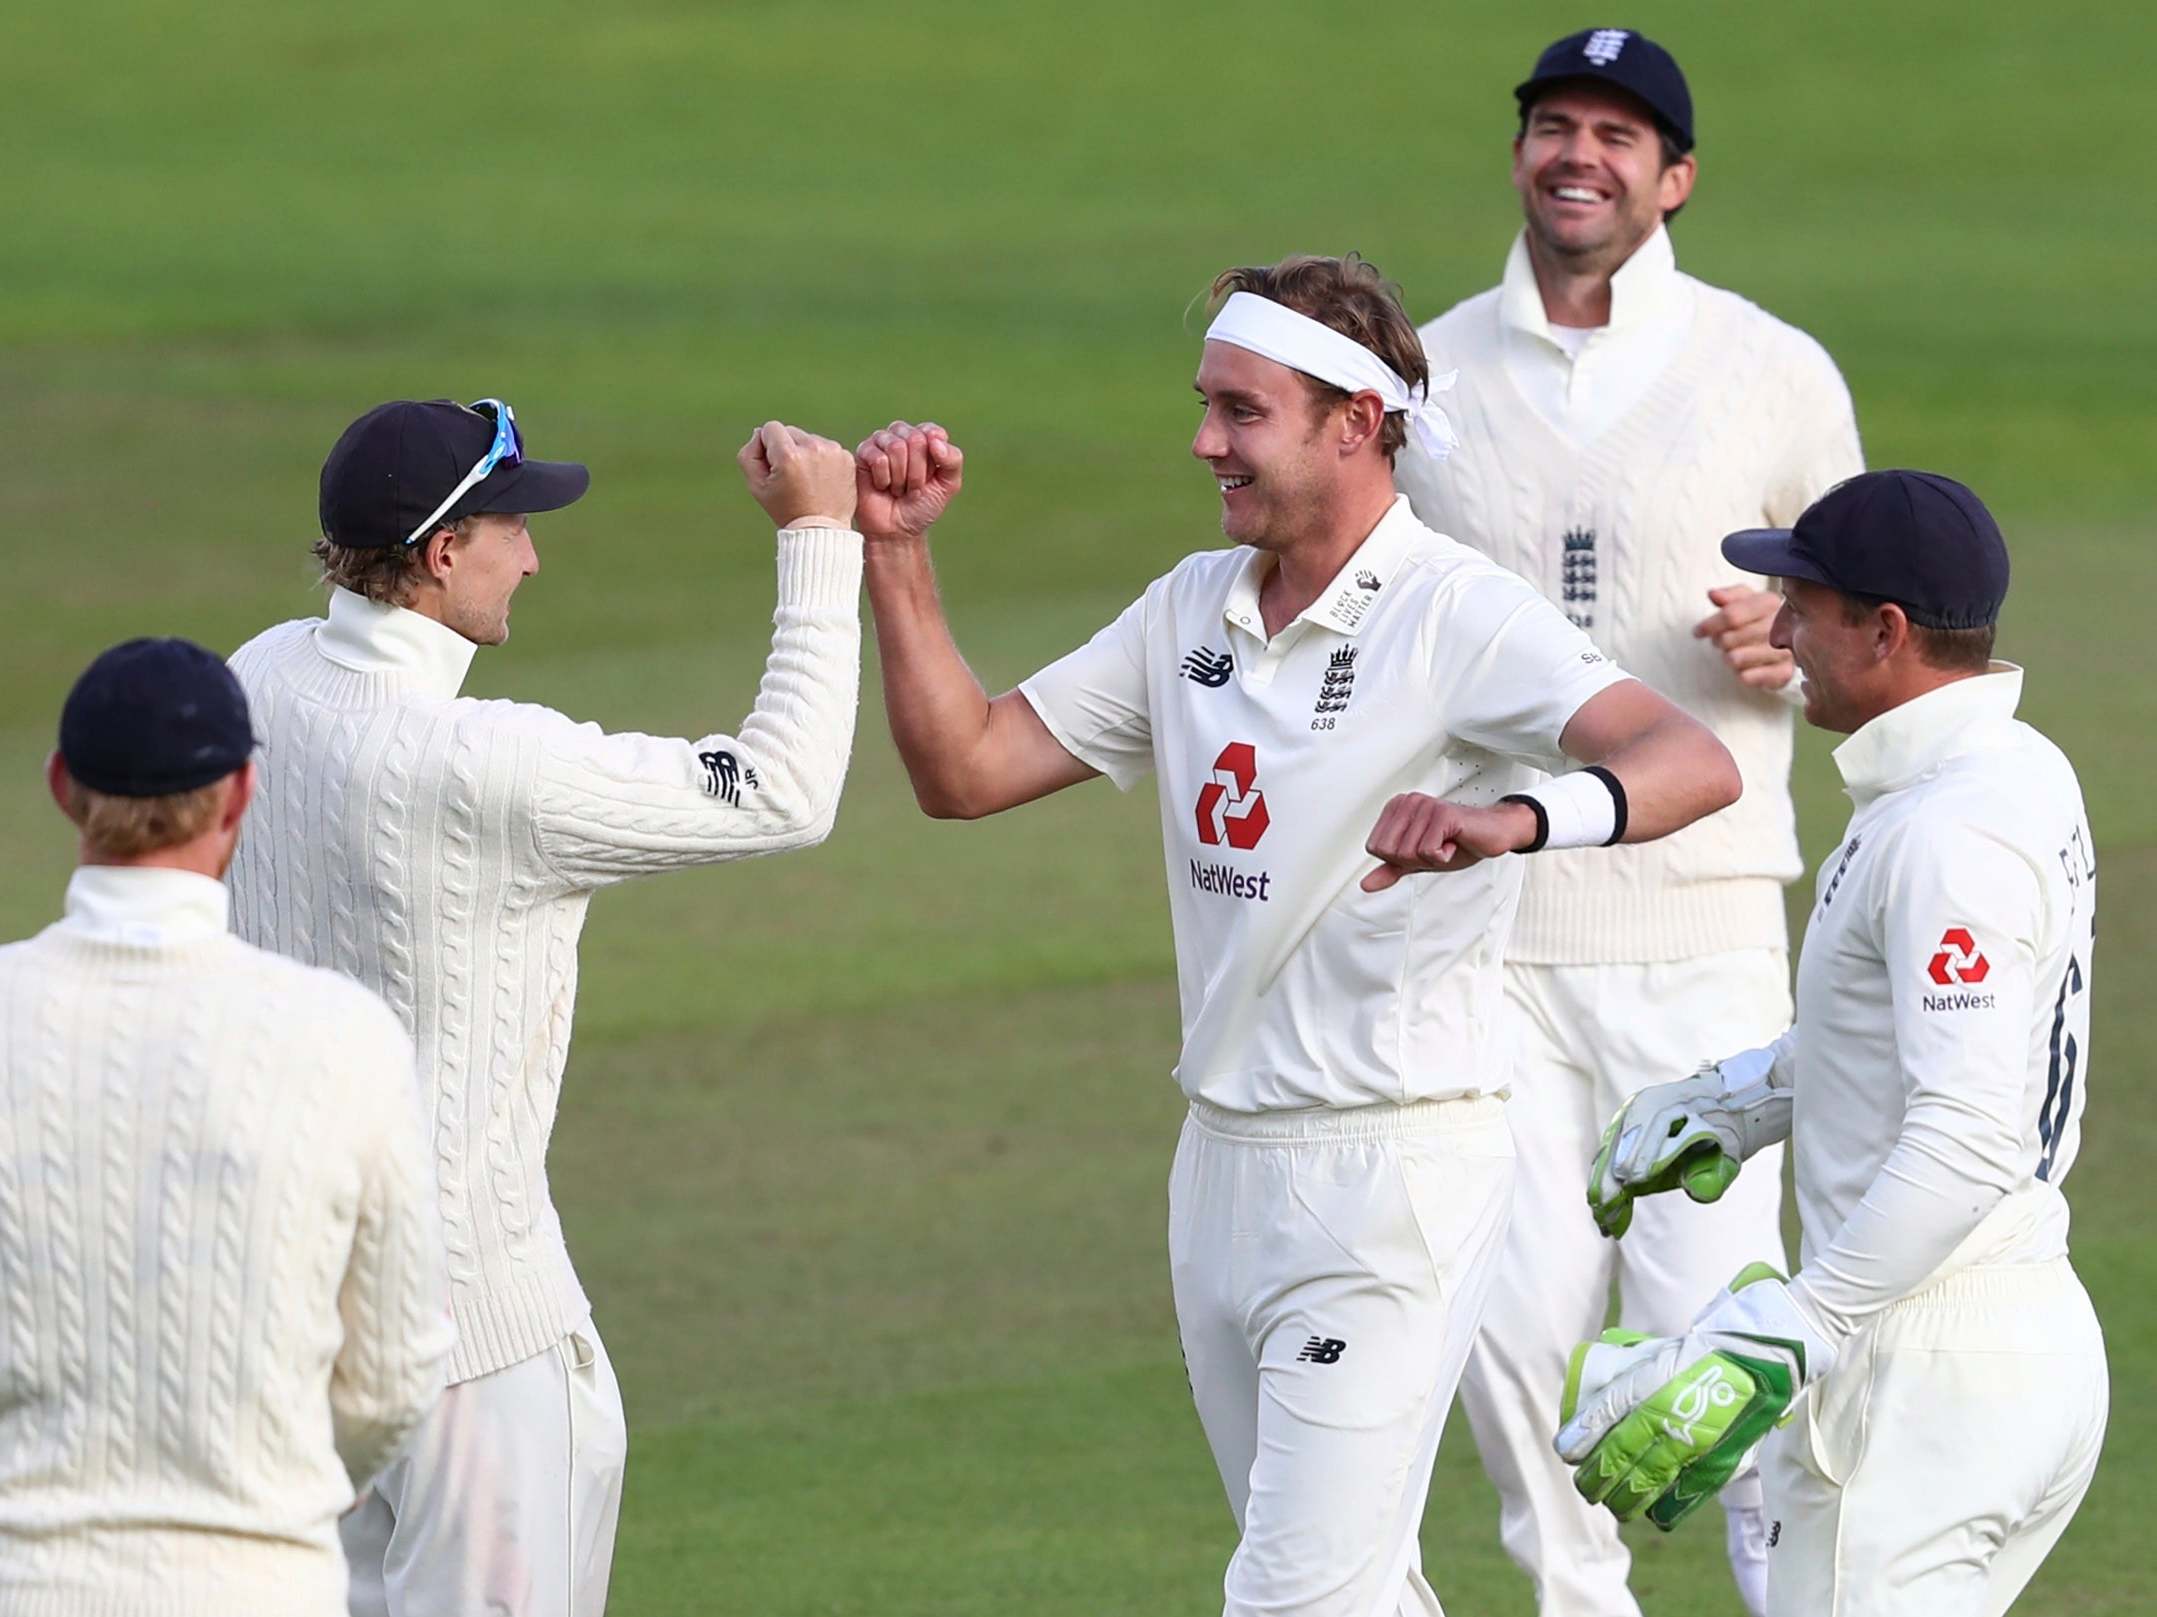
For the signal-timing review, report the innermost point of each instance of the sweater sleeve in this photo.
(395, 1298)
(612, 806)
(1959, 934)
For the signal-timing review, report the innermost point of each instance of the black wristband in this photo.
(1542, 819)
(1617, 798)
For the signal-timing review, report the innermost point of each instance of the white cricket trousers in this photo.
(1329, 1269)
(505, 1504)
(1585, 1039)
(1934, 1470)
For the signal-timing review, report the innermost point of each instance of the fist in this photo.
(905, 478)
(1739, 626)
(796, 476)
(1419, 833)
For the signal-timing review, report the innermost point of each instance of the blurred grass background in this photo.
(862, 1151)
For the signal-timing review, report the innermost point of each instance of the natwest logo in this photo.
(1958, 960)
(1231, 808)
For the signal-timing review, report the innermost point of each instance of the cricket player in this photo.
(1341, 685)
(442, 851)
(222, 1305)
(1617, 418)
(1946, 1373)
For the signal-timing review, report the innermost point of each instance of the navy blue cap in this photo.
(1920, 540)
(1618, 56)
(397, 463)
(152, 717)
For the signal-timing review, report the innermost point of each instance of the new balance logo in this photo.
(724, 776)
(1322, 1350)
(1604, 45)
(1207, 667)
(1775, 1534)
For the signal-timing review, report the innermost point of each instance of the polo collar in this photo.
(146, 906)
(370, 638)
(1640, 291)
(1345, 603)
(1906, 743)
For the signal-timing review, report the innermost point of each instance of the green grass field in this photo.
(862, 1152)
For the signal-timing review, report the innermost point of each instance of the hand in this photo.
(1419, 833)
(1739, 627)
(1662, 1423)
(1691, 1135)
(796, 476)
(905, 476)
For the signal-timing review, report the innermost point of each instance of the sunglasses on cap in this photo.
(506, 450)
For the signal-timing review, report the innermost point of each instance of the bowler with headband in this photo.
(1335, 711)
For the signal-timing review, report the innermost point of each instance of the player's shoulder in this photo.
(1779, 344)
(1460, 326)
(314, 994)
(266, 648)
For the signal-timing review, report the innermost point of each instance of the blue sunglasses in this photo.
(506, 450)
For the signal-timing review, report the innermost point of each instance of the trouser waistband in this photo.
(1347, 1122)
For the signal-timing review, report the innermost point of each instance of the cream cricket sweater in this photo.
(222, 1305)
(1747, 423)
(442, 851)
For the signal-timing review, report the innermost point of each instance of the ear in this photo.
(242, 793)
(1677, 183)
(1890, 632)
(57, 781)
(438, 555)
(1361, 419)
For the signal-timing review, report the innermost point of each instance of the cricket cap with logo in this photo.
(1629, 61)
(1918, 539)
(408, 467)
(153, 717)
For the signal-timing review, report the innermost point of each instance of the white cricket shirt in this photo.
(1940, 1057)
(1422, 667)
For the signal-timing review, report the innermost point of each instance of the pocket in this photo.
(1837, 1413)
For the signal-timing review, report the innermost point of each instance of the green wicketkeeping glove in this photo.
(1691, 1135)
(1659, 1424)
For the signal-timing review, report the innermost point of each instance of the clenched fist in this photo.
(798, 477)
(1421, 833)
(1739, 626)
(905, 478)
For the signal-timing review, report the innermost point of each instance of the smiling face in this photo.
(1839, 655)
(1590, 173)
(1264, 437)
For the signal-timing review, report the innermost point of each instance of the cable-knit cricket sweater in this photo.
(1747, 423)
(222, 1306)
(443, 850)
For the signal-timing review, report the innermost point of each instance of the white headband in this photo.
(1276, 332)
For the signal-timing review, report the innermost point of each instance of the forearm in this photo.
(939, 714)
(1673, 772)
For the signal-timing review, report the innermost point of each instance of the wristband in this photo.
(1582, 810)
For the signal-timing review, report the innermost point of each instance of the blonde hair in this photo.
(129, 827)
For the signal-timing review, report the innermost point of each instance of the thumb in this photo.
(1381, 878)
(778, 443)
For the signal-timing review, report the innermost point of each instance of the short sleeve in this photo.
(1094, 700)
(1509, 670)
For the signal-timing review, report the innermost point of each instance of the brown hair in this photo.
(129, 827)
(389, 574)
(1347, 295)
(1955, 651)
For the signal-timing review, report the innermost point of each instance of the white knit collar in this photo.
(1905, 743)
(1640, 291)
(147, 906)
(370, 638)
